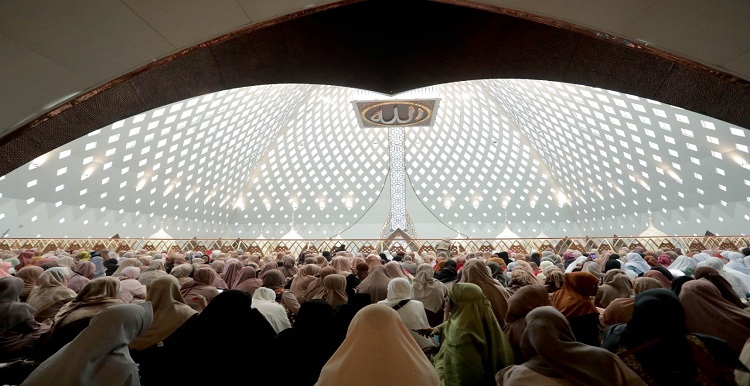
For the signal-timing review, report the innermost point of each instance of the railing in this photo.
(267, 246)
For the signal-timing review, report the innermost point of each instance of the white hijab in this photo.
(682, 263)
(412, 313)
(737, 263)
(635, 260)
(264, 299)
(574, 264)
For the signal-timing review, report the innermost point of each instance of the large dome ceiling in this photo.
(545, 157)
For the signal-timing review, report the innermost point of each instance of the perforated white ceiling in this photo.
(546, 157)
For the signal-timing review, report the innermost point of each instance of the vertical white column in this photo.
(398, 176)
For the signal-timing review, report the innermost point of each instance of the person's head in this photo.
(399, 288)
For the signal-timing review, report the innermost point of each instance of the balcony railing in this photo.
(268, 246)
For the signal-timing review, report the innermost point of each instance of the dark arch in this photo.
(389, 46)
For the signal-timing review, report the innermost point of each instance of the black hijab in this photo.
(232, 308)
(657, 329)
(311, 340)
(448, 273)
(110, 266)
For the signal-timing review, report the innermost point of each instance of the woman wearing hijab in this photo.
(316, 285)
(231, 272)
(431, 293)
(264, 300)
(377, 339)
(619, 310)
(669, 356)
(554, 279)
(706, 312)
(683, 264)
(593, 267)
(737, 263)
(248, 281)
(393, 269)
(333, 291)
(616, 285)
(131, 290)
(306, 275)
(666, 281)
(635, 263)
(554, 357)
(720, 283)
(519, 305)
(288, 269)
(30, 276)
(575, 303)
(199, 286)
(99, 264)
(275, 281)
(99, 355)
(344, 267)
(155, 269)
(95, 296)
(229, 308)
(183, 273)
(448, 274)
(740, 282)
(110, 266)
(25, 258)
(19, 331)
(410, 311)
(477, 273)
(166, 338)
(124, 263)
(81, 275)
(51, 294)
(376, 284)
(362, 271)
(519, 278)
(472, 345)
(313, 338)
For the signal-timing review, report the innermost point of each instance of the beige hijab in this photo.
(378, 332)
(334, 290)
(306, 275)
(476, 272)
(393, 269)
(95, 296)
(129, 262)
(317, 285)
(342, 264)
(53, 288)
(375, 284)
(170, 312)
(427, 290)
(616, 285)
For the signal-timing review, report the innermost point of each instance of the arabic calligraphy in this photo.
(396, 113)
(378, 116)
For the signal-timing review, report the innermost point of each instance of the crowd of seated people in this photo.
(627, 317)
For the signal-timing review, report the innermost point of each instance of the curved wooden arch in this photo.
(424, 43)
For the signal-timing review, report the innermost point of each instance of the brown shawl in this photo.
(520, 304)
(476, 272)
(708, 313)
(305, 276)
(574, 299)
(617, 284)
(375, 284)
(334, 290)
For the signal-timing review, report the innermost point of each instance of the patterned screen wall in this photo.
(542, 156)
